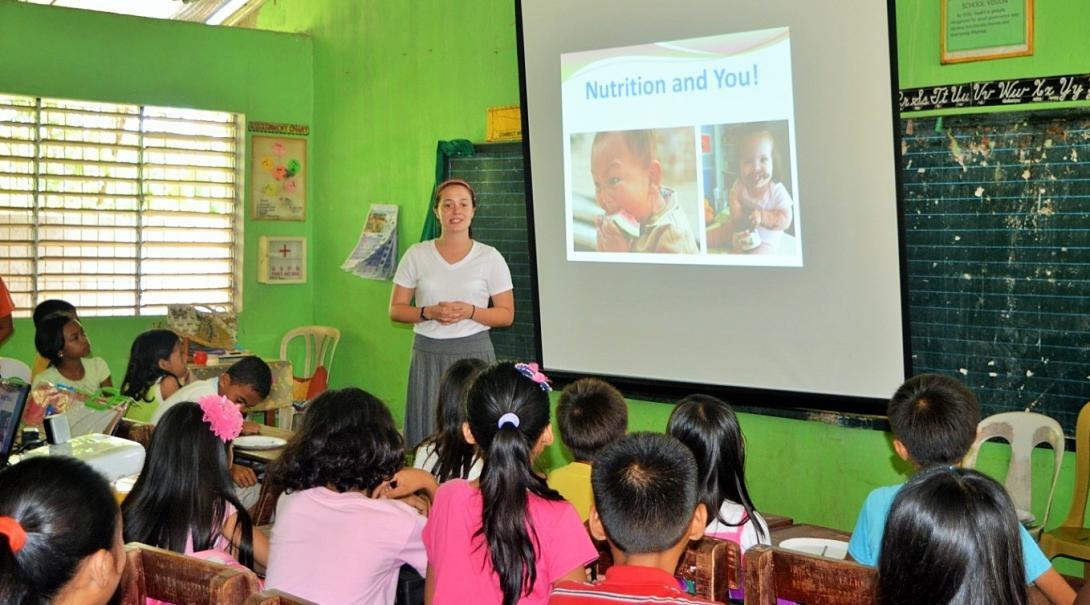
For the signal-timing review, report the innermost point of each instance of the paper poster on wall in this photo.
(375, 254)
(282, 260)
(278, 184)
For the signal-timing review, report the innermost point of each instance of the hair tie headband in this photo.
(508, 418)
(222, 416)
(531, 371)
(9, 526)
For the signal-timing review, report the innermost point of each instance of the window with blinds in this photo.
(118, 209)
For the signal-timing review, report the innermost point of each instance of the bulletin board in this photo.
(278, 178)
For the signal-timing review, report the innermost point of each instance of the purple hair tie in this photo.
(531, 371)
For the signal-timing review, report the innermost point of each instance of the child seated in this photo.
(647, 505)
(951, 538)
(446, 453)
(934, 421)
(156, 371)
(41, 311)
(61, 340)
(591, 414)
(247, 383)
(336, 540)
(760, 209)
(60, 534)
(641, 214)
(506, 538)
(184, 499)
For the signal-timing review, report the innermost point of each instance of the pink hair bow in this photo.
(222, 416)
(531, 371)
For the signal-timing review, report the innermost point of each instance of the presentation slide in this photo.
(714, 194)
(712, 181)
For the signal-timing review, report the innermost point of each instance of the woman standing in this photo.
(452, 278)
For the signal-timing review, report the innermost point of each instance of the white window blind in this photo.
(118, 209)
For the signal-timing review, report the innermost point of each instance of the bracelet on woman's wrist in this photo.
(422, 318)
(473, 312)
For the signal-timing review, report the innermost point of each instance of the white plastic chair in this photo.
(1023, 431)
(13, 368)
(321, 344)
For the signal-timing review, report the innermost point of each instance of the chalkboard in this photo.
(998, 250)
(496, 173)
(997, 234)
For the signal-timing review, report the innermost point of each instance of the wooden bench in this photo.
(773, 573)
(175, 578)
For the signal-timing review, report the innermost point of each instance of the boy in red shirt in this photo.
(646, 506)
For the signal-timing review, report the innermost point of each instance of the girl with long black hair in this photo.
(709, 427)
(446, 453)
(951, 537)
(505, 538)
(185, 499)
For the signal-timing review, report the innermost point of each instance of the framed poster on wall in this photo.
(975, 30)
(282, 260)
(278, 183)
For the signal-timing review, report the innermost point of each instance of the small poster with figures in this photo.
(282, 260)
(375, 254)
(278, 178)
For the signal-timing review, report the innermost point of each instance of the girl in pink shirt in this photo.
(530, 538)
(336, 538)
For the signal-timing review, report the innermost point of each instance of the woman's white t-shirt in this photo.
(480, 275)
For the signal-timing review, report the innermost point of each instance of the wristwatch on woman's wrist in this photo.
(422, 318)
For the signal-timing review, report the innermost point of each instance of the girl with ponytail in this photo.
(60, 534)
(505, 538)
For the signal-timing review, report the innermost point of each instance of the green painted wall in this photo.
(268, 76)
(392, 78)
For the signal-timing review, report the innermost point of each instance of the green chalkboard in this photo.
(496, 173)
(997, 234)
(997, 228)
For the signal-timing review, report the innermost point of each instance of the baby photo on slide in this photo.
(635, 191)
(749, 185)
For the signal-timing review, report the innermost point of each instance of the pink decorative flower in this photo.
(222, 415)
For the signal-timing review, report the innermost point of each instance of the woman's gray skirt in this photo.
(430, 359)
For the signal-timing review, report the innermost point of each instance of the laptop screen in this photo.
(12, 401)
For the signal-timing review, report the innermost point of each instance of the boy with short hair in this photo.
(591, 414)
(934, 420)
(647, 506)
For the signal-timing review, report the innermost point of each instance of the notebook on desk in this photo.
(13, 398)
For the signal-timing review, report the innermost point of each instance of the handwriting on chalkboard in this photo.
(996, 92)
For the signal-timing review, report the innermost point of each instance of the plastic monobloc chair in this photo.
(1072, 537)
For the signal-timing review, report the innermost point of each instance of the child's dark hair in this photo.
(253, 372)
(640, 143)
(935, 417)
(184, 488)
(49, 336)
(68, 513)
(49, 307)
(147, 350)
(501, 392)
(454, 456)
(591, 414)
(348, 442)
(709, 428)
(645, 491)
(951, 537)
